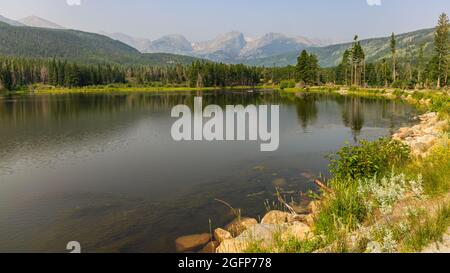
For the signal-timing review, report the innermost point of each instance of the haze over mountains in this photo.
(35, 21)
(272, 49)
(232, 47)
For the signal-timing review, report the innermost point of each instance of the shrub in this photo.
(385, 193)
(368, 159)
(287, 84)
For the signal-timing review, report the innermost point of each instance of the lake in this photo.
(102, 169)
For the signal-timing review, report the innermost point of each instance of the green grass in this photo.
(341, 212)
(293, 245)
(427, 230)
(125, 88)
(436, 170)
(134, 89)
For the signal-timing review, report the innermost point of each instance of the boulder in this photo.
(423, 143)
(277, 217)
(232, 246)
(221, 235)
(210, 247)
(429, 130)
(261, 233)
(191, 242)
(240, 225)
(428, 116)
(404, 133)
(298, 231)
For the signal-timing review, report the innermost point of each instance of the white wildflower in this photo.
(389, 244)
(403, 227)
(389, 190)
(374, 247)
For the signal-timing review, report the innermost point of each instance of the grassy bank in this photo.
(125, 88)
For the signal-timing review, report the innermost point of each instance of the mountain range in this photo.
(376, 49)
(232, 47)
(37, 37)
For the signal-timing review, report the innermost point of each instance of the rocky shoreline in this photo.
(421, 137)
(238, 236)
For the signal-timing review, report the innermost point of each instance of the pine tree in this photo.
(302, 66)
(420, 65)
(394, 52)
(441, 46)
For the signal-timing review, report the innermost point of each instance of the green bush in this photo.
(287, 84)
(368, 159)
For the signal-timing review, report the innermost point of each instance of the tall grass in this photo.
(427, 229)
(436, 169)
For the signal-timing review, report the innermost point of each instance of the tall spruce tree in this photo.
(442, 47)
(394, 53)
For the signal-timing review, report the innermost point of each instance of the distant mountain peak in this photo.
(140, 44)
(36, 21)
(173, 43)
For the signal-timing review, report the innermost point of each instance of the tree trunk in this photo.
(394, 72)
(439, 73)
(446, 74)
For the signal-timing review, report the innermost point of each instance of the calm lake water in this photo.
(102, 169)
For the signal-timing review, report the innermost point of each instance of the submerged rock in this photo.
(191, 242)
(279, 182)
(259, 168)
(210, 247)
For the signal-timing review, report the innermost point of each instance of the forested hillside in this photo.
(376, 49)
(76, 46)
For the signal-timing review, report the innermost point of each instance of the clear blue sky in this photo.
(204, 19)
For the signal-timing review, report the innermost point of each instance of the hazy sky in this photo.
(205, 19)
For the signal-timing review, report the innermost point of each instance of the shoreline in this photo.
(125, 89)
